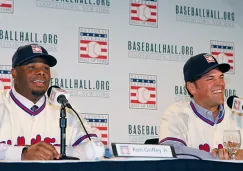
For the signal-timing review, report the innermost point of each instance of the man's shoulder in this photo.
(180, 105)
(181, 108)
(4, 95)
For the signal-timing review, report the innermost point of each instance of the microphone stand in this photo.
(63, 125)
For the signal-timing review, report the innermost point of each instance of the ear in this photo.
(14, 73)
(191, 87)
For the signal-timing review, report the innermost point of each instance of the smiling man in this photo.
(28, 61)
(196, 127)
(27, 119)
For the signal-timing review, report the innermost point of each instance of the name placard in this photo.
(143, 150)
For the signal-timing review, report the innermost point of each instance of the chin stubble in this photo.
(38, 93)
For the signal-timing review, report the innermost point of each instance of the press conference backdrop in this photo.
(122, 60)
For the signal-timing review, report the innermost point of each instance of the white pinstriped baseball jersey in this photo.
(20, 126)
(183, 123)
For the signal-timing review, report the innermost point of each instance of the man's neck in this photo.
(213, 109)
(34, 99)
(215, 113)
(30, 97)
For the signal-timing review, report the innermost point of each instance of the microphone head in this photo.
(55, 92)
(50, 88)
(230, 101)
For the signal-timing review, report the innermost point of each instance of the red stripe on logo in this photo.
(138, 102)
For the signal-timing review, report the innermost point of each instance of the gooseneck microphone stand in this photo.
(63, 125)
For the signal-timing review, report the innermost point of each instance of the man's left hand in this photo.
(222, 154)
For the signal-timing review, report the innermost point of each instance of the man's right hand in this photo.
(222, 154)
(40, 151)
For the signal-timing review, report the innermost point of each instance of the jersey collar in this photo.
(25, 104)
(206, 115)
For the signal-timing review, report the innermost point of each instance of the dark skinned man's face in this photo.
(32, 78)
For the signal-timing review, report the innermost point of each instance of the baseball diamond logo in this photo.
(224, 53)
(144, 13)
(5, 77)
(209, 58)
(93, 46)
(6, 6)
(36, 49)
(101, 122)
(143, 91)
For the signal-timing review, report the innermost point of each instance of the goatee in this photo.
(38, 93)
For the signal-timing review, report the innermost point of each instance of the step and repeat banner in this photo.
(122, 60)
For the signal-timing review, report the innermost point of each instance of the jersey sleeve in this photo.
(174, 126)
(7, 152)
(79, 135)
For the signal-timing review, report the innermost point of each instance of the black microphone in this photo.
(58, 96)
(236, 104)
(230, 101)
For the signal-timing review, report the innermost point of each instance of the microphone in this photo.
(235, 103)
(58, 96)
(93, 150)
